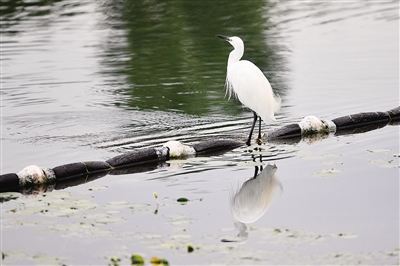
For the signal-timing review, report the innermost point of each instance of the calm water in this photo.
(88, 80)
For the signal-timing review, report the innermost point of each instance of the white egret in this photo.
(247, 82)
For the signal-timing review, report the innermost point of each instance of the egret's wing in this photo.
(253, 89)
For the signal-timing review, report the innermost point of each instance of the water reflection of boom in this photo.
(252, 200)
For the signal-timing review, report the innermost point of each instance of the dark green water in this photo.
(88, 80)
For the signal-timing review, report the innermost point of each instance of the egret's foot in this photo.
(259, 140)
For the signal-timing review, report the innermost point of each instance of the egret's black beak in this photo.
(226, 38)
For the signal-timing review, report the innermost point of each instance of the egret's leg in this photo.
(252, 128)
(255, 172)
(259, 142)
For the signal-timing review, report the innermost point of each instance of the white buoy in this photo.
(312, 124)
(177, 149)
(35, 175)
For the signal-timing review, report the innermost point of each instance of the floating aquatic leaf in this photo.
(181, 236)
(175, 217)
(6, 196)
(221, 163)
(115, 261)
(137, 259)
(15, 253)
(390, 166)
(139, 205)
(113, 211)
(60, 213)
(100, 232)
(179, 220)
(84, 205)
(328, 172)
(97, 188)
(158, 261)
(151, 235)
(345, 235)
(107, 220)
(385, 163)
(190, 248)
(164, 262)
(81, 197)
(95, 216)
(155, 260)
(46, 259)
(379, 150)
(121, 202)
(118, 205)
(168, 245)
(182, 200)
(308, 155)
(30, 210)
(57, 194)
(332, 163)
(331, 155)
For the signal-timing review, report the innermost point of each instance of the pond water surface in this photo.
(89, 80)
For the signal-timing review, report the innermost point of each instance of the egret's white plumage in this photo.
(247, 82)
(243, 79)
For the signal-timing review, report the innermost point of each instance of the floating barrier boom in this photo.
(134, 161)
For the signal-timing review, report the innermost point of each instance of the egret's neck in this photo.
(235, 56)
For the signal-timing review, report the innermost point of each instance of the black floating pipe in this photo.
(394, 115)
(288, 131)
(361, 119)
(213, 146)
(350, 124)
(9, 182)
(131, 162)
(73, 170)
(138, 157)
(145, 159)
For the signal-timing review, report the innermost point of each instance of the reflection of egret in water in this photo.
(252, 200)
